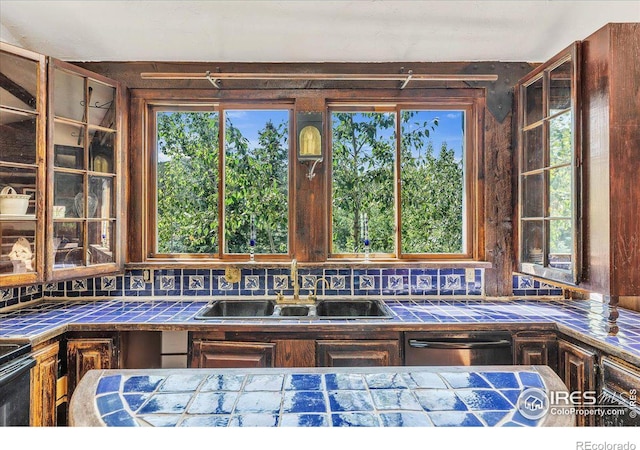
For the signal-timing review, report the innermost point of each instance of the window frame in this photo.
(220, 107)
(472, 196)
(542, 72)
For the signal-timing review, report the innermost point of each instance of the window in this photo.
(222, 181)
(549, 171)
(401, 180)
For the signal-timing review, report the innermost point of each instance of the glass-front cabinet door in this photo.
(548, 175)
(84, 169)
(22, 165)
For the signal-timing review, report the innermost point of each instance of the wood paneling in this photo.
(295, 353)
(611, 118)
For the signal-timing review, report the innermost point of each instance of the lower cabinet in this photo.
(223, 354)
(87, 353)
(620, 385)
(577, 368)
(530, 348)
(44, 381)
(242, 350)
(358, 353)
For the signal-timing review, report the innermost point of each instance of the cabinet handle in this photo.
(419, 343)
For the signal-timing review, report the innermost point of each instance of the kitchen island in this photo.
(471, 396)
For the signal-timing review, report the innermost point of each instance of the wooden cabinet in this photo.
(620, 385)
(84, 165)
(61, 157)
(22, 165)
(294, 349)
(214, 354)
(359, 353)
(549, 169)
(44, 383)
(84, 354)
(536, 349)
(611, 118)
(577, 368)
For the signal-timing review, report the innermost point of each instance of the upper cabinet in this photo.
(22, 165)
(84, 172)
(60, 170)
(549, 169)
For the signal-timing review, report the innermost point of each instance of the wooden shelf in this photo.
(16, 217)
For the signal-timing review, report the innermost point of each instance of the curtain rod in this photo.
(405, 78)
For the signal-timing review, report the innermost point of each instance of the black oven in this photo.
(15, 384)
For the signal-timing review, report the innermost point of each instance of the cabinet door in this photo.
(86, 354)
(84, 162)
(44, 377)
(22, 165)
(536, 350)
(358, 353)
(576, 367)
(620, 385)
(222, 354)
(549, 169)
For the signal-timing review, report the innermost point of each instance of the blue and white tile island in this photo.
(480, 396)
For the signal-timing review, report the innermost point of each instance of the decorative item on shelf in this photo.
(536, 256)
(310, 139)
(79, 206)
(12, 203)
(364, 235)
(252, 239)
(59, 211)
(21, 256)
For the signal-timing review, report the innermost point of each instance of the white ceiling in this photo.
(306, 31)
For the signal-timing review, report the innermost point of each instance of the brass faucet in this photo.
(280, 298)
(314, 296)
(294, 279)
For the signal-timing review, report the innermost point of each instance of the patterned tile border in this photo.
(387, 282)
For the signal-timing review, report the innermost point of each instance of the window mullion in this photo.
(398, 185)
(221, 181)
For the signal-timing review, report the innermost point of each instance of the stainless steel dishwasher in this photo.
(457, 348)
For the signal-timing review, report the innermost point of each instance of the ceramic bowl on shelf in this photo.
(12, 203)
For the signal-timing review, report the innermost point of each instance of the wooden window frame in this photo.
(570, 277)
(472, 197)
(152, 108)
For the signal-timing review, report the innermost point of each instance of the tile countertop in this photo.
(336, 397)
(583, 319)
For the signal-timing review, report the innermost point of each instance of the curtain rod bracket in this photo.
(212, 80)
(404, 84)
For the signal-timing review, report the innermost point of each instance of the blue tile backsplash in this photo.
(388, 282)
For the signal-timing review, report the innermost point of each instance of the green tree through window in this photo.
(431, 173)
(256, 181)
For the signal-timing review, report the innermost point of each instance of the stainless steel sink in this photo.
(294, 310)
(270, 309)
(237, 309)
(349, 309)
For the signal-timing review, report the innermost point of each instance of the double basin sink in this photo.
(270, 309)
